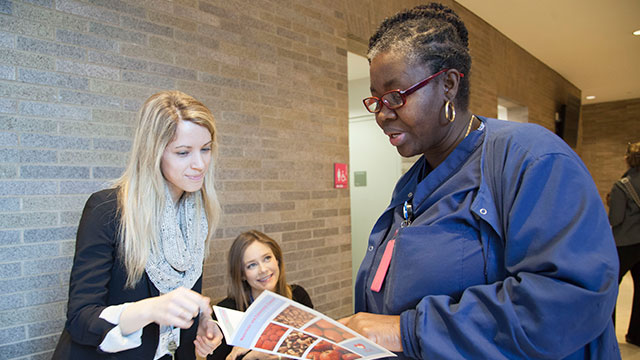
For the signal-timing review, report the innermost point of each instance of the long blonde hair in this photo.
(141, 188)
(239, 289)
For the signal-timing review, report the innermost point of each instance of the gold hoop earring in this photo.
(449, 114)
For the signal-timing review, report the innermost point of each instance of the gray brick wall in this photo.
(74, 72)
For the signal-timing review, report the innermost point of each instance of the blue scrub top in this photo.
(441, 253)
(509, 255)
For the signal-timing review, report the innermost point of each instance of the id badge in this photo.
(167, 334)
(385, 261)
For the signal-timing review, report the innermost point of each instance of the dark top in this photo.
(624, 214)
(97, 281)
(299, 294)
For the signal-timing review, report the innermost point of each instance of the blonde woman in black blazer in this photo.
(135, 284)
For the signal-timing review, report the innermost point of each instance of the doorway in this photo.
(375, 165)
(512, 111)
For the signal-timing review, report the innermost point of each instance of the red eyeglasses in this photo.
(394, 99)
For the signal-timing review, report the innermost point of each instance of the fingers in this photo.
(184, 314)
(213, 331)
(251, 355)
(259, 355)
(255, 355)
(190, 301)
(180, 306)
(232, 356)
(345, 320)
(205, 307)
(204, 346)
(235, 352)
(208, 336)
(384, 330)
(194, 299)
(182, 319)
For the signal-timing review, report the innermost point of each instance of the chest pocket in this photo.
(437, 259)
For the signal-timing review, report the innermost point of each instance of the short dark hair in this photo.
(432, 35)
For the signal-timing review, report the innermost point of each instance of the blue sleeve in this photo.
(560, 274)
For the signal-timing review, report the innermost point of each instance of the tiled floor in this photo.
(623, 311)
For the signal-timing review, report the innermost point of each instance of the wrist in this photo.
(136, 316)
(144, 308)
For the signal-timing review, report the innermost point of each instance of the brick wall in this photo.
(500, 68)
(607, 128)
(73, 73)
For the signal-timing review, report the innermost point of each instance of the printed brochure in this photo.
(280, 326)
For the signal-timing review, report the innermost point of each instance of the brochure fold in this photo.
(276, 325)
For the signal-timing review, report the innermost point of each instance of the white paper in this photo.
(280, 326)
(228, 319)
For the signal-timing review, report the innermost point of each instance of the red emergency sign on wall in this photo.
(340, 176)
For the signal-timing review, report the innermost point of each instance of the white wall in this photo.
(370, 151)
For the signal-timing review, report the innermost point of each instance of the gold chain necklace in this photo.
(469, 127)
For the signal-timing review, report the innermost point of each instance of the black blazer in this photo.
(98, 280)
(299, 294)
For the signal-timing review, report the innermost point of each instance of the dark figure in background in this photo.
(255, 264)
(496, 244)
(624, 216)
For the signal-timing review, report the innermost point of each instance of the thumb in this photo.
(232, 355)
(214, 330)
(210, 328)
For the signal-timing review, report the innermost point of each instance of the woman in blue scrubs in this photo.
(496, 244)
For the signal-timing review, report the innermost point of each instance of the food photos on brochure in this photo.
(325, 329)
(277, 325)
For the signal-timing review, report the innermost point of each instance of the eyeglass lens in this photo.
(372, 104)
(393, 99)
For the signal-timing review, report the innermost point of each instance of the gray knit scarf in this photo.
(177, 261)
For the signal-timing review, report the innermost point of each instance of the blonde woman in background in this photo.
(135, 284)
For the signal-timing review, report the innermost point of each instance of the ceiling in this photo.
(588, 42)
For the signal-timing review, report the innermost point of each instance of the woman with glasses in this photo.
(135, 284)
(496, 244)
(624, 215)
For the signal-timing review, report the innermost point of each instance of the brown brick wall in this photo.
(500, 68)
(606, 130)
